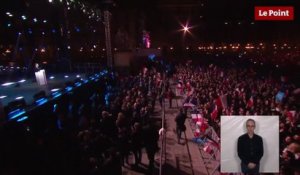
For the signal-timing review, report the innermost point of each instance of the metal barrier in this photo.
(162, 145)
(215, 153)
(162, 132)
(208, 141)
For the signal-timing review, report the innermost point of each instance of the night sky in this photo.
(208, 18)
(211, 20)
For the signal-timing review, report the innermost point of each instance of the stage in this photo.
(27, 88)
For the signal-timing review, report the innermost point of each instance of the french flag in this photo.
(214, 113)
(250, 102)
(207, 148)
(210, 146)
(221, 102)
(291, 115)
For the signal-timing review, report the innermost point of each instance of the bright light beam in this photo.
(185, 28)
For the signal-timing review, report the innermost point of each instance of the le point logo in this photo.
(274, 13)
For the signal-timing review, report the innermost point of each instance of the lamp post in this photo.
(65, 37)
(107, 4)
(109, 55)
(185, 30)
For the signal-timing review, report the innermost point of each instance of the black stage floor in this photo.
(10, 91)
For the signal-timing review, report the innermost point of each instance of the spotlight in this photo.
(24, 17)
(16, 113)
(9, 14)
(7, 84)
(19, 98)
(22, 119)
(185, 28)
(54, 90)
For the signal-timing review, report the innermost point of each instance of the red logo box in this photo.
(273, 13)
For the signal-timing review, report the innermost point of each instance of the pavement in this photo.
(185, 158)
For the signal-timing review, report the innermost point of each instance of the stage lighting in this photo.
(56, 94)
(16, 113)
(69, 88)
(54, 90)
(9, 14)
(19, 98)
(40, 98)
(23, 17)
(17, 104)
(39, 95)
(85, 81)
(22, 119)
(92, 77)
(54, 107)
(41, 101)
(77, 84)
(7, 84)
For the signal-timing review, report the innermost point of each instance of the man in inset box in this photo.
(250, 149)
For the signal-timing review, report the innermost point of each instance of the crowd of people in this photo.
(89, 137)
(216, 91)
(279, 57)
(98, 135)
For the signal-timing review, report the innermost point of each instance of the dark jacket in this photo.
(250, 149)
(180, 120)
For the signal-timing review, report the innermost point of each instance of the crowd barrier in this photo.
(207, 139)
